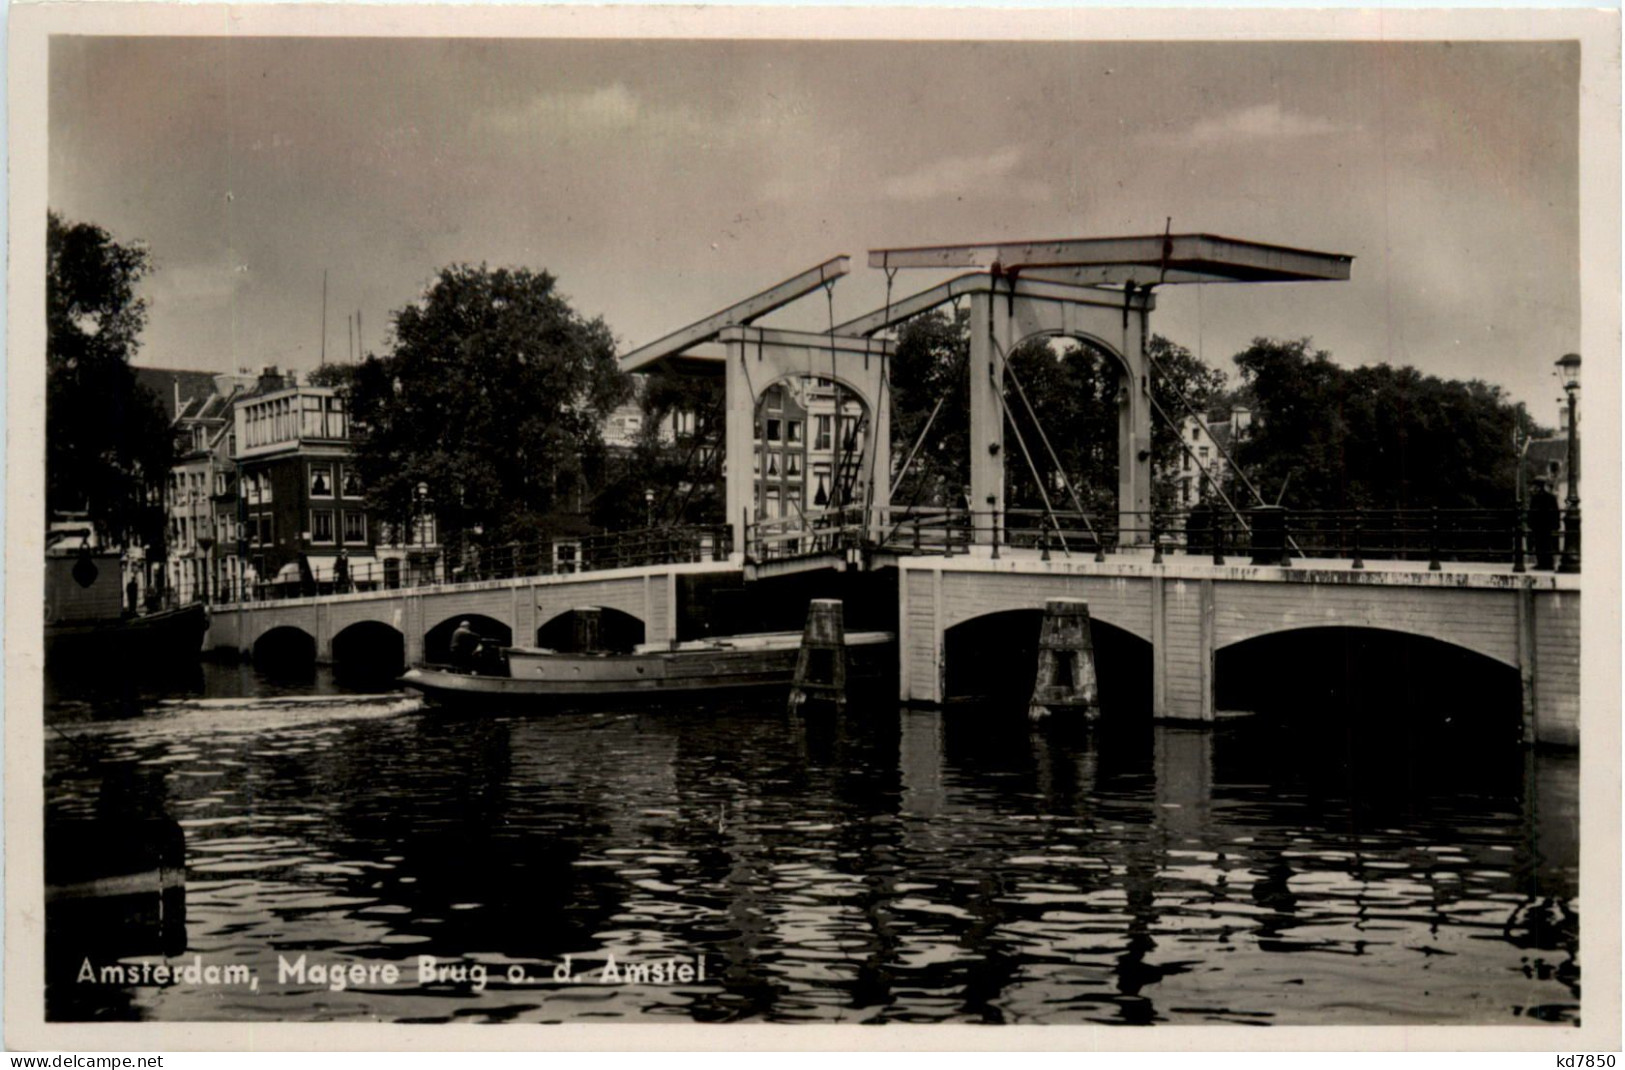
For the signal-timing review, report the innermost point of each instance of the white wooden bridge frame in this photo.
(1018, 291)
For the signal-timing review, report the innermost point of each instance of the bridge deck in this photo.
(1481, 574)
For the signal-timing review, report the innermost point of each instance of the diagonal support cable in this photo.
(1077, 501)
(1021, 441)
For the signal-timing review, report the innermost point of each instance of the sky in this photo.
(660, 181)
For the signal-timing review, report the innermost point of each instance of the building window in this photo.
(220, 483)
(1196, 434)
(267, 528)
(792, 465)
(822, 439)
(775, 398)
(1185, 465)
(774, 429)
(355, 526)
(773, 508)
(321, 481)
(1184, 492)
(351, 481)
(821, 477)
(792, 432)
(265, 486)
(773, 464)
(310, 417)
(338, 424)
(321, 525)
(565, 555)
(1202, 453)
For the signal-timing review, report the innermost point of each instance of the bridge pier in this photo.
(1182, 649)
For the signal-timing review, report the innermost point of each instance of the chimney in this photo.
(270, 379)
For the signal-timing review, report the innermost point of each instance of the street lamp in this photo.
(205, 544)
(1568, 369)
(420, 498)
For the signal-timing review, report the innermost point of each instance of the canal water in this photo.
(883, 865)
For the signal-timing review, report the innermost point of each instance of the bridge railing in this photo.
(540, 557)
(1264, 535)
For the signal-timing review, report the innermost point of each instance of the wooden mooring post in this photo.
(1066, 662)
(821, 664)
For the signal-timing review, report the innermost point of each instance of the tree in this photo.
(683, 470)
(1073, 388)
(928, 366)
(492, 398)
(337, 375)
(109, 445)
(1181, 384)
(1376, 436)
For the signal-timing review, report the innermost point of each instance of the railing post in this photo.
(1434, 564)
(1156, 539)
(1519, 531)
(1569, 560)
(1359, 532)
(993, 519)
(1218, 536)
(1268, 534)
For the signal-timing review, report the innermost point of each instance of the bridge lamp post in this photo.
(649, 507)
(205, 543)
(1568, 369)
(416, 534)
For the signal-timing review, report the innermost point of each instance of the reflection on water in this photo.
(878, 866)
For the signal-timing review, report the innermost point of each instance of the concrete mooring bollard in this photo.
(1066, 662)
(821, 664)
(588, 628)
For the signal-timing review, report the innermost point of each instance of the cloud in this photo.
(606, 108)
(953, 176)
(218, 281)
(1260, 122)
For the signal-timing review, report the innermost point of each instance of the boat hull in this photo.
(683, 674)
(174, 635)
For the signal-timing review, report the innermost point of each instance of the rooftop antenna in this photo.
(324, 315)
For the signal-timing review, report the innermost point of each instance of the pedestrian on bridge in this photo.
(1543, 515)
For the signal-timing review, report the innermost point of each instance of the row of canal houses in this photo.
(264, 488)
(265, 496)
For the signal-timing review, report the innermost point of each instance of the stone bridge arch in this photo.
(437, 640)
(369, 649)
(1483, 622)
(1119, 602)
(994, 656)
(285, 649)
(618, 631)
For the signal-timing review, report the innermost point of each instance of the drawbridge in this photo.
(809, 471)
